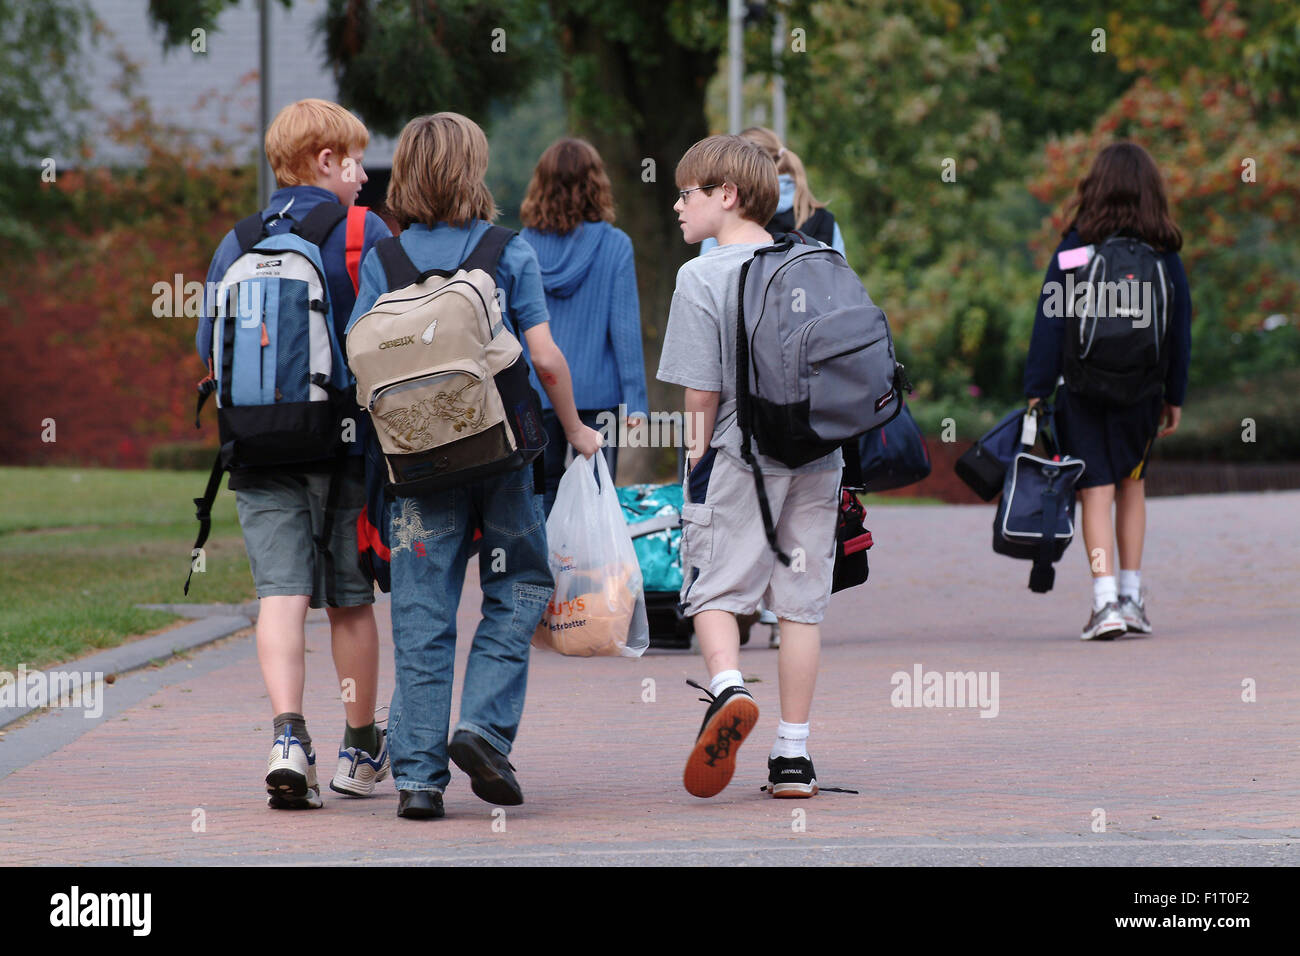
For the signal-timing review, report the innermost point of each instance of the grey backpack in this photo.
(815, 364)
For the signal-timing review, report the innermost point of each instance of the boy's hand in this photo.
(585, 441)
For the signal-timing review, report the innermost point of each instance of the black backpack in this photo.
(1117, 306)
(820, 225)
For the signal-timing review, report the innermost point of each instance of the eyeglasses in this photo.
(686, 193)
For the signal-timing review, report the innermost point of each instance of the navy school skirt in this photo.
(1114, 441)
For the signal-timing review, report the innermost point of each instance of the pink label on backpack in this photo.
(1073, 258)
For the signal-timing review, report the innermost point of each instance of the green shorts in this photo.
(281, 513)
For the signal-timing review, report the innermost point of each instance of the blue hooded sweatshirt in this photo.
(590, 280)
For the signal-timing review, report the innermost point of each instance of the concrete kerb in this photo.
(138, 654)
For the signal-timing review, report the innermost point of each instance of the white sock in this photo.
(1130, 584)
(724, 679)
(791, 740)
(1103, 591)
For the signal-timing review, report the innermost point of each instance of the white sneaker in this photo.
(1134, 613)
(358, 772)
(291, 775)
(1106, 624)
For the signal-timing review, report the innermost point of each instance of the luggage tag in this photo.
(1069, 259)
(1029, 430)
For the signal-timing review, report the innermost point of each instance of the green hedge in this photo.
(1216, 424)
(182, 456)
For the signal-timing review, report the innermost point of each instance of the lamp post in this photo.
(264, 100)
(735, 63)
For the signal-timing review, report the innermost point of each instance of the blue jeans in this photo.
(557, 445)
(430, 539)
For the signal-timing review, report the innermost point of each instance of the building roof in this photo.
(217, 89)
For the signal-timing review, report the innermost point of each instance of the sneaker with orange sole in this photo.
(728, 721)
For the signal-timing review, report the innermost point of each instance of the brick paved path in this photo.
(1153, 732)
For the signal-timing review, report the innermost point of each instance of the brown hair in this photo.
(301, 130)
(731, 159)
(569, 186)
(438, 169)
(1124, 193)
(788, 162)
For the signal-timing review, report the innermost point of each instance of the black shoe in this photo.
(490, 773)
(727, 722)
(791, 777)
(419, 804)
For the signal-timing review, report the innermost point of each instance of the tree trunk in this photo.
(658, 112)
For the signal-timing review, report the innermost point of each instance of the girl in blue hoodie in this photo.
(797, 207)
(589, 277)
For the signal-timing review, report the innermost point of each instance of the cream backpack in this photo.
(445, 381)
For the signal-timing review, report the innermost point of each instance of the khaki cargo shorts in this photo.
(727, 564)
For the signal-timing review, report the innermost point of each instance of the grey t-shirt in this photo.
(700, 346)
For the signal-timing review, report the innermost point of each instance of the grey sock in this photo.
(299, 723)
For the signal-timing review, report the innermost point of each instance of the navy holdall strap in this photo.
(1043, 575)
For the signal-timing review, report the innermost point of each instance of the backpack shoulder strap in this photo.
(398, 267)
(743, 413)
(316, 226)
(354, 240)
(203, 511)
(248, 231)
(487, 253)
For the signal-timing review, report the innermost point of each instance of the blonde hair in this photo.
(438, 169)
(301, 130)
(731, 159)
(788, 162)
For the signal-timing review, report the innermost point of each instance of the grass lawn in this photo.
(79, 548)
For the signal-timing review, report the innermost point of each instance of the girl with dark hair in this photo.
(1122, 195)
(589, 277)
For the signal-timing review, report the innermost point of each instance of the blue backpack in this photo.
(1035, 518)
(277, 368)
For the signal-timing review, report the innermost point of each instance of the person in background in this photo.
(727, 189)
(316, 150)
(796, 207)
(1123, 194)
(438, 196)
(589, 277)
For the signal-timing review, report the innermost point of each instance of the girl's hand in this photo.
(1170, 416)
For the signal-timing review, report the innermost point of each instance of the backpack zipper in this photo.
(829, 358)
(443, 288)
(411, 381)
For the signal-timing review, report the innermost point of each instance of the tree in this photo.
(40, 93)
(634, 78)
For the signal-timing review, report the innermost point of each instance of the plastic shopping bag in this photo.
(598, 607)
